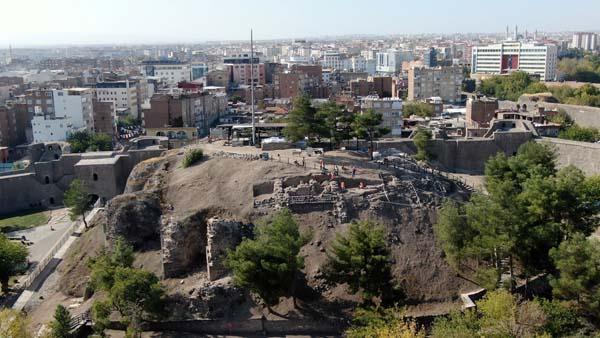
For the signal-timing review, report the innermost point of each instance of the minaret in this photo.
(10, 55)
(507, 33)
(516, 37)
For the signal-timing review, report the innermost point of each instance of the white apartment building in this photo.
(585, 41)
(170, 72)
(391, 61)
(336, 60)
(123, 95)
(532, 58)
(72, 111)
(361, 64)
(391, 110)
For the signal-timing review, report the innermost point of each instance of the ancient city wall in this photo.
(584, 155)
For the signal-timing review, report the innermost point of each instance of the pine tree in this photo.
(61, 325)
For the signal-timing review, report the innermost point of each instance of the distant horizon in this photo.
(151, 22)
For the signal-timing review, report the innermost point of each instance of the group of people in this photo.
(336, 173)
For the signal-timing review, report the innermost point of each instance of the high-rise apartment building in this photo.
(242, 70)
(585, 41)
(533, 58)
(391, 61)
(443, 82)
(123, 95)
(62, 112)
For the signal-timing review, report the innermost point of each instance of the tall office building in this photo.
(532, 58)
(430, 58)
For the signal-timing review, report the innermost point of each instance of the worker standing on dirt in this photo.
(353, 172)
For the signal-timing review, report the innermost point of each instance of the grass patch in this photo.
(192, 157)
(24, 221)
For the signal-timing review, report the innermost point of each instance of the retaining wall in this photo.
(583, 155)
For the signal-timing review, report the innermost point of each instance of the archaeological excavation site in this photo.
(182, 222)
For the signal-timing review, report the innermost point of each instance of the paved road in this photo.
(43, 237)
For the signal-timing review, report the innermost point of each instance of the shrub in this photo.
(192, 157)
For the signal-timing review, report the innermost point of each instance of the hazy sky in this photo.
(27, 22)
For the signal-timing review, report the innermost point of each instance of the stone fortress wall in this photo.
(42, 184)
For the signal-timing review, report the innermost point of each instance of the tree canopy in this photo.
(268, 265)
(582, 134)
(60, 326)
(13, 258)
(82, 141)
(421, 140)
(135, 293)
(78, 200)
(529, 209)
(367, 125)
(578, 263)
(13, 324)
(303, 120)
(361, 258)
(418, 108)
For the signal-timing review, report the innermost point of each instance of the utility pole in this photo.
(252, 86)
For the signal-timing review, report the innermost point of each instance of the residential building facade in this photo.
(444, 82)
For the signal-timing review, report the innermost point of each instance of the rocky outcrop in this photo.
(135, 217)
(147, 175)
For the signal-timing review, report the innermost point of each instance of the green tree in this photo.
(529, 209)
(382, 323)
(421, 140)
(13, 324)
(13, 258)
(367, 125)
(336, 122)
(303, 120)
(82, 141)
(361, 258)
(561, 318)
(100, 142)
(536, 87)
(582, 134)
(500, 315)
(135, 293)
(421, 109)
(578, 263)
(509, 87)
(268, 265)
(78, 200)
(61, 325)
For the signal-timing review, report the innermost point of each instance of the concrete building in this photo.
(66, 110)
(585, 41)
(533, 58)
(170, 72)
(444, 82)
(336, 60)
(200, 110)
(241, 71)
(199, 70)
(391, 110)
(122, 94)
(391, 61)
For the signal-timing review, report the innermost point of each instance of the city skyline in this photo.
(145, 22)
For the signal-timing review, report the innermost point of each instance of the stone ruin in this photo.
(190, 242)
(321, 193)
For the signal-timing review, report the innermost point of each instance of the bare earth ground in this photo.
(225, 187)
